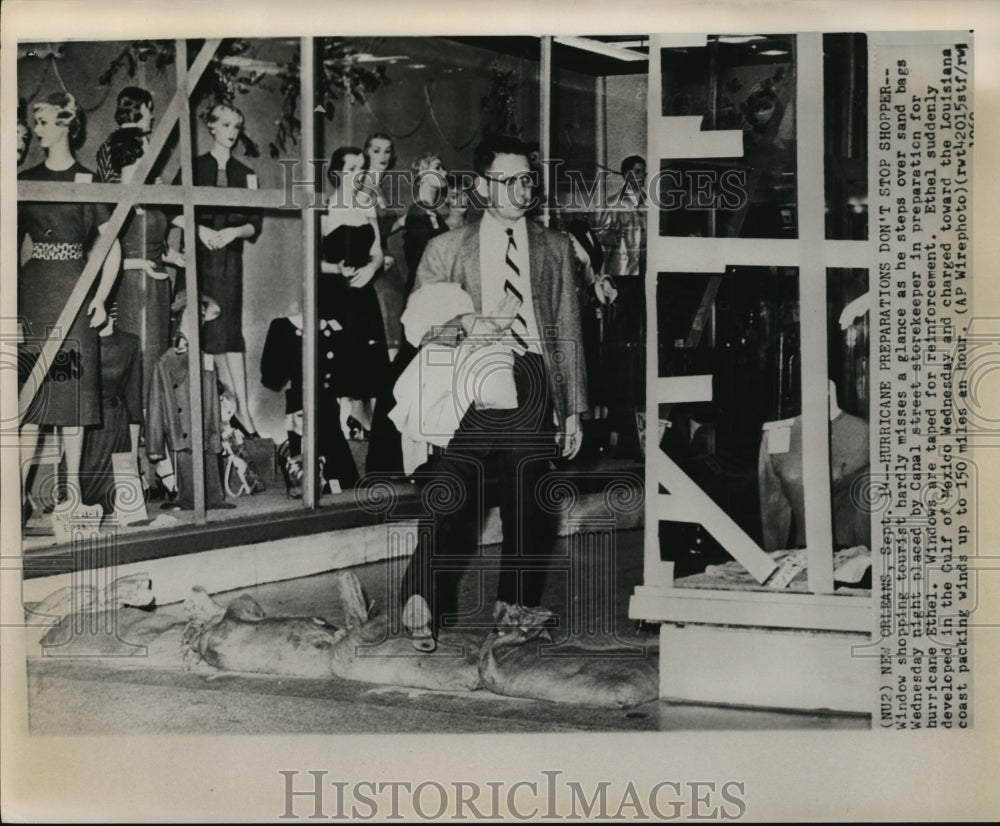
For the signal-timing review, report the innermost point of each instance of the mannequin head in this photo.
(346, 164)
(381, 152)
(225, 122)
(429, 178)
(58, 119)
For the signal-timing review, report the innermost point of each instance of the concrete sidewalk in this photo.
(88, 696)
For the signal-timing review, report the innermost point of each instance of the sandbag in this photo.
(123, 637)
(515, 664)
(243, 639)
(370, 654)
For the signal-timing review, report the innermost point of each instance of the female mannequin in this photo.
(69, 398)
(352, 251)
(424, 218)
(381, 154)
(221, 233)
(142, 294)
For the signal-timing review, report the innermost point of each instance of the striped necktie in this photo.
(512, 285)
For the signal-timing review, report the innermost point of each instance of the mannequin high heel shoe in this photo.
(238, 425)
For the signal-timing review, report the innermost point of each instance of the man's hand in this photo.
(571, 436)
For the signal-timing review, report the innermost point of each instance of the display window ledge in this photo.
(764, 608)
(224, 529)
(595, 481)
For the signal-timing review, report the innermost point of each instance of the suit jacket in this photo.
(454, 257)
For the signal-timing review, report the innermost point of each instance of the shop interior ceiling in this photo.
(588, 55)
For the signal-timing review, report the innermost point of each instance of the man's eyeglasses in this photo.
(525, 179)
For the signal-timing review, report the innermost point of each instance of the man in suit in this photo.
(521, 279)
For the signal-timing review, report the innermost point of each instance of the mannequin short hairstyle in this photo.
(337, 162)
(486, 152)
(423, 162)
(68, 114)
(131, 99)
(215, 113)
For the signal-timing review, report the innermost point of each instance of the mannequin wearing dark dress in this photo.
(220, 271)
(142, 292)
(143, 301)
(68, 395)
(60, 235)
(121, 407)
(222, 232)
(348, 225)
(351, 244)
(281, 367)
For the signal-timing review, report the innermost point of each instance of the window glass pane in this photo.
(845, 102)
(741, 330)
(248, 274)
(599, 125)
(848, 370)
(745, 84)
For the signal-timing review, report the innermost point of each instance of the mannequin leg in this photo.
(236, 368)
(29, 441)
(225, 375)
(73, 451)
